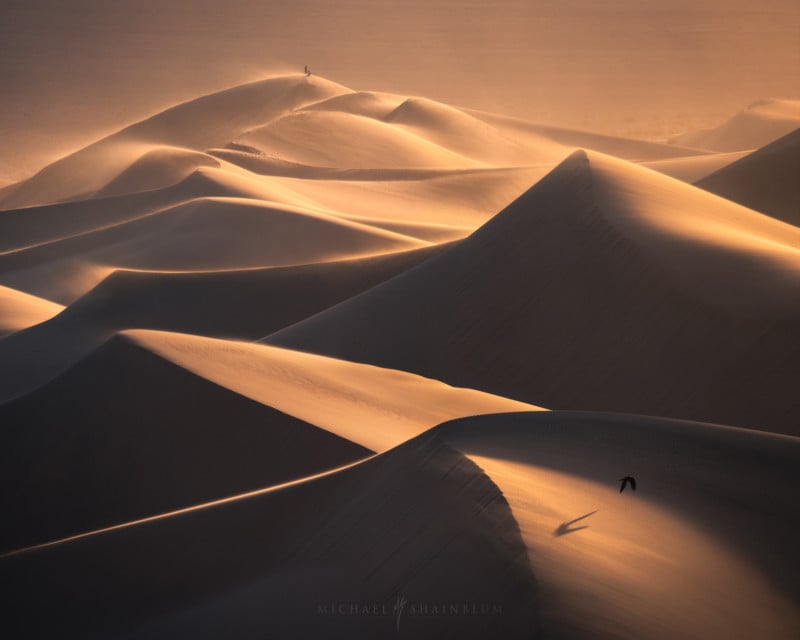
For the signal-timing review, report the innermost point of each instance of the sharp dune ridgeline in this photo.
(295, 360)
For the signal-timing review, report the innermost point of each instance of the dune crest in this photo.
(601, 266)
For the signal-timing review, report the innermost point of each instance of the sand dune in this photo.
(684, 556)
(374, 407)
(203, 234)
(693, 168)
(627, 148)
(158, 438)
(371, 104)
(576, 294)
(244, 303)
(209, 121)
(158, 168)
(681, 557)
(758, 125)
(239, 304)
(130, 402)
(19, 310)
(766, 180)
(469, 136)
(420, 523)
(331, 139)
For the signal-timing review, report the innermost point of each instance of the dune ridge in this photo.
(532, 320)
(765, 180)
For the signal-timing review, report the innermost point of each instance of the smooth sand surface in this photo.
(693, 168)
(419, 526)
(758, 125)
(682, 556)
(618, 265)
(765, 180)
(20, 310)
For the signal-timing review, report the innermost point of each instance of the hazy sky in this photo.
(71, 70)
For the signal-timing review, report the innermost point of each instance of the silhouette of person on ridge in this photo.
(306, 70)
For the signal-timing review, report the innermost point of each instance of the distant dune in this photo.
(758, 125)
(766, 180)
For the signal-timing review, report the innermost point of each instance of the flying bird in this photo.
(625, 482)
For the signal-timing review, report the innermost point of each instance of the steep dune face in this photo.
(684, 556)
(19, 310)
(125, 434)
(420, 526)
(758, 125)
(577, 293)
(766, 180)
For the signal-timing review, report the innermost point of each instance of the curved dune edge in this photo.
(713, 552)
(167, 416)
(277, 558)
(125, 434)
(765, 180)
(757, 125)
(19, 310)
(693, 553)
(239, 304)
(374, 407)
(575, 295)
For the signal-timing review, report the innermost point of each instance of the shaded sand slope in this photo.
(201, 234)
(208, 121)
(245, 303)
(170, 419)
(420, 522)
(703, 549)
(217, 233)
(604, 287)
(19, 310)
(767, 180)
(230, 304)
(125, 434)
(758, 125)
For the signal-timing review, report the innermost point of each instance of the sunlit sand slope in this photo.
(606, 287)
(704, 548)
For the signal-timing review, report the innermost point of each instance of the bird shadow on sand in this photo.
(566, 527)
